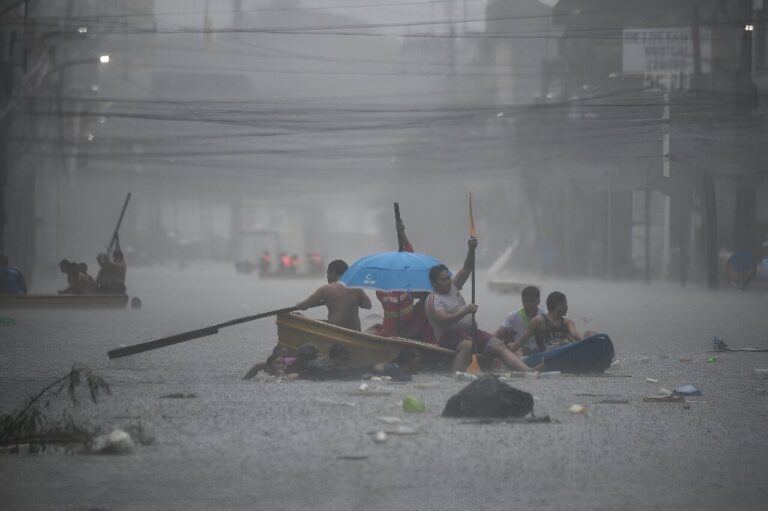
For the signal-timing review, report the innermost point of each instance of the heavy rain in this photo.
(176, 177)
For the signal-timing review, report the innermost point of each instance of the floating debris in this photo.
(413, 405)
(331, 402)
(687, 390)
(400, 430)
(578, 409)
(664, 398)
(366, 390)
(117, 442)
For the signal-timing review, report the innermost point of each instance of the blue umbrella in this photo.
(391, 271)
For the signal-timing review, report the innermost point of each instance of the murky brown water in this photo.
(284, 445)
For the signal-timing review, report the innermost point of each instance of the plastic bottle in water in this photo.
(466, 377)
(717, 343)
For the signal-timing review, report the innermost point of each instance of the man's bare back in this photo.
(343, 303)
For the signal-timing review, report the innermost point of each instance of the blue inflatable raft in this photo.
(591, 355)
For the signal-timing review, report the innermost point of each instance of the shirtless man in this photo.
(341, 301)
(452, 322)
(552, 329)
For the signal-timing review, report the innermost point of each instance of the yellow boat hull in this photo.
(365, 349)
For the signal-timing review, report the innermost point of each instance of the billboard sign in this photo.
(664, 50)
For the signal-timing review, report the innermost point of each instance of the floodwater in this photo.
(278, 445)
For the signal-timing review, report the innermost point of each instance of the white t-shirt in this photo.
(450, 303)
(518, 322)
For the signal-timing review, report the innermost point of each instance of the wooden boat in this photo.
(365, 349)
(591, 355)
(63, 301)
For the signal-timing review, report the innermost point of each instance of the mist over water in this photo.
(293, 126)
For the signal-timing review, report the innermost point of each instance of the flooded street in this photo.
(283, 445)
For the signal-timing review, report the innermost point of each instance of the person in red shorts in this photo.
(451, 318)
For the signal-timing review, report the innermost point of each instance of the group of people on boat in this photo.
(109, 280)
(443, 317)
(287, 263)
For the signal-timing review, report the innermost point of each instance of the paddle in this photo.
(400, 248)
(472, 233)
(119, 221)
(192, 334)
(398, 221)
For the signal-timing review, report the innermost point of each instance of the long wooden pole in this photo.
(472, 234)
(398, 221)
(119, 222)
(400, 248)
(192, 334)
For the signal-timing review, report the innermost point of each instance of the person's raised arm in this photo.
(364, 302)
(469, 263)
(400, 226)
(315, 299)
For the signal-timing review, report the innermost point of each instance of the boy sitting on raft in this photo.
(550, 330)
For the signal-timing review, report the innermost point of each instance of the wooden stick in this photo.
(119, 222)
(472, 233)
(398, 221)
(192, 334)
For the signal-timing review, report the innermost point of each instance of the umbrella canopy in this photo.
(391, 271)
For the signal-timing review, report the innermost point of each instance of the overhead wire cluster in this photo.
(265, 126)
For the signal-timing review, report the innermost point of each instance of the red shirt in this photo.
(400, 314)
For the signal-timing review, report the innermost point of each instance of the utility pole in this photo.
(696, 41)
(710, 231)
(609, 228)
(647, 227)
(747, 93)
(666, 173)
